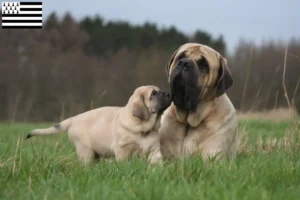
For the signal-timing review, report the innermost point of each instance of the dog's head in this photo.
(197, 73)
(147, 101)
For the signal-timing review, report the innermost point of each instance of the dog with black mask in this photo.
(201, 119)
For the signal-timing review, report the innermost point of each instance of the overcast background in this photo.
(255, 20)
(35, 81)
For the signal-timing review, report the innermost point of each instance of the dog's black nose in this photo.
(165, 94)
(185, 63)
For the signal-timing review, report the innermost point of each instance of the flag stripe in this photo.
(30, 9)
(30, 3)
(21, 24)
(21, 21)
(30, 12)
(21, 15)
(34, 6)
(22, 27)
(21, 18)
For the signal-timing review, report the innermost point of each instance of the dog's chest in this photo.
(209, 137)
(149, 140)
(140, 143)
(197, 135)
(195, 138)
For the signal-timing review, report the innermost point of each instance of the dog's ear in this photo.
(139, 108)
(224, 81)
(170, 62)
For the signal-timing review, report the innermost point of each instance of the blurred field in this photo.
(277, 115)
(267, 167)
(106, 66)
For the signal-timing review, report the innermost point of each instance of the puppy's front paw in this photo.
(155, 158)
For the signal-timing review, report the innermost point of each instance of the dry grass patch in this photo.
(276, 115)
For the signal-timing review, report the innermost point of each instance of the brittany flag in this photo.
(22, 15)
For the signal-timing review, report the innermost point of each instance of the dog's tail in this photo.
(58, 128)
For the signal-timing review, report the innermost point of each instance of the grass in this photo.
(46, 168)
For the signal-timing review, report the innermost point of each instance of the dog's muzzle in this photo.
(165, 100)
(184, 90)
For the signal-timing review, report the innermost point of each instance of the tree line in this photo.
(69, 67)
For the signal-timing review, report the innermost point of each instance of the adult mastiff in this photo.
(201, 119)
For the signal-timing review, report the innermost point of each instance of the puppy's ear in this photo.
(139, 109)
(170, 62)
(224, 81)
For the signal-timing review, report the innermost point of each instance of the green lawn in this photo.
(47, 168)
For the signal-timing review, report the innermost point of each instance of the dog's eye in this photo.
(154, 92)
(181, 56)
(203, 64)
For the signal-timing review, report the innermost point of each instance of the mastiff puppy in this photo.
(201, 119)
(118, 131)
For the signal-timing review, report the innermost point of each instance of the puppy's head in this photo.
(147, 101)
(197, 73)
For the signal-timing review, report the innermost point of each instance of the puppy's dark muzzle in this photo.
(165, 100)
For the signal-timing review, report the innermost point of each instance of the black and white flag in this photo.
(22, 15)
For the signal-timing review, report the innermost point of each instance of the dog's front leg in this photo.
(172, 135)
(122, 153)
(155, 157)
